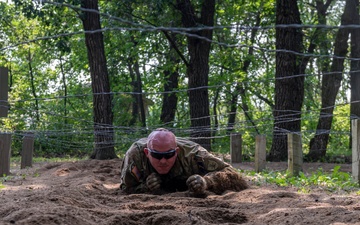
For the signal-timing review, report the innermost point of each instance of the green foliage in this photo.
(46, 41)
(339, 143)
(333, 182)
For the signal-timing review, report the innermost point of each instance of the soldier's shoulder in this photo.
(186, 143)
(141, 141)
(137, 147)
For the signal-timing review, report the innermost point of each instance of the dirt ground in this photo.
(85, 192)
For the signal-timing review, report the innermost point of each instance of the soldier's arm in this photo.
(130, 184)
(220, 175)
(131, 177)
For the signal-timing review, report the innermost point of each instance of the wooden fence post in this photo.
(4, 79)
(260, 153)
(236, 148)
(295, 154)
(5, 149)
(27, 150)
(355, 146)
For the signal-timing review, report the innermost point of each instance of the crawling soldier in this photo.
(164, 163)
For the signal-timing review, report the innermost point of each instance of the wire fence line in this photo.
(79, 137)
(194, 29)
(289, 113)
(85, 127)
(309, 114)
(306, 114)
(180, 90)
(189, 32)
(260, 49)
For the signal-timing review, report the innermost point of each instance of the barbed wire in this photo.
(290, 116)
(289, 113)
(209, 87)
(189, 32)
(202, 27)
(314, 55)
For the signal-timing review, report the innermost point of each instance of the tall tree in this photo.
(33, 88)
(199, 43)
(289, 86)
(138, 110)
(355, 62)
(103, 128)
(329, 89)
(171, 83)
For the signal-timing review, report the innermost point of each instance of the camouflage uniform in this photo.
(192, 159)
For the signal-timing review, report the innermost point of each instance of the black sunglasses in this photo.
(159, 155)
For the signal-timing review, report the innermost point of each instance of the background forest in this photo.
(89, 77)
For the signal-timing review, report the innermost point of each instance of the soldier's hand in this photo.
(153, 181)
(196, 184)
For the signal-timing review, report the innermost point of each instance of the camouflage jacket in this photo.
(192, 159)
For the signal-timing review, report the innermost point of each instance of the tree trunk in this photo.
(198, 68)
(232, 115)
(289, 87)
(355, 62)
(103, 129)
(171, 82)
(65, 89)
(215, 102)
(330, 87)
(170, 98)
(138, 110)
(33, 91)
(139, 95)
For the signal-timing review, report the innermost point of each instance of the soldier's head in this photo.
(161, 150)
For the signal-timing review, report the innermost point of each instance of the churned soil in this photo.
(86, 192)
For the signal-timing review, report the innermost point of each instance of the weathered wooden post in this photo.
(236, 148)
(5, 141)
(260, 153)
(27, 150)
(355, 146)
(5, 138)
(295, 154)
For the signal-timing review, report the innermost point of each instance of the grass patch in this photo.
(17, 159)
(334, 181)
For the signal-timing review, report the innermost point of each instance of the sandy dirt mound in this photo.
(86, 192)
